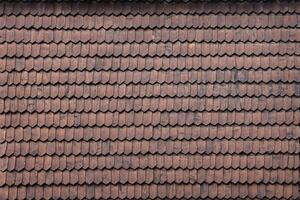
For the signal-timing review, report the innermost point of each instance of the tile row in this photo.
(116, 119)
(148, 63)
(149, 176)
(154, 191)
(190, 162)
(77, 105)
(149, 49)
(142, 8)
(143, 147)
(150, 77)
(149, 35)
(89, 22)
(155, 90)
(148, 133)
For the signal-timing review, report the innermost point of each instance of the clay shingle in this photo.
(149, 100)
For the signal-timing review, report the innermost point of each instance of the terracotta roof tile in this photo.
(149, 100)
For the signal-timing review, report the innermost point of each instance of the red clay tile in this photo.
(147, 100)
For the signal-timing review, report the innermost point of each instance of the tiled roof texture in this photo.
(149, 100)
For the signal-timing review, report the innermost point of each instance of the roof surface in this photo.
(146, 101)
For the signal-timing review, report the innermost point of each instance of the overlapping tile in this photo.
(149, 100)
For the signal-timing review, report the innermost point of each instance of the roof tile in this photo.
(149, 100)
